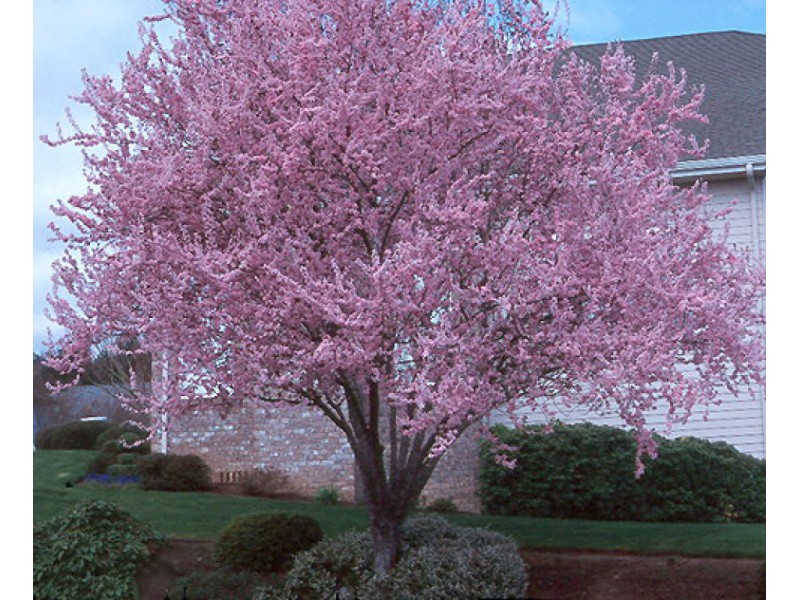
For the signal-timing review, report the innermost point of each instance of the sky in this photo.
(70, 35)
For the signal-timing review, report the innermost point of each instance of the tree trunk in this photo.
(385, 530)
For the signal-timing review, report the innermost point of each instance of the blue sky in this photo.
(69, 35)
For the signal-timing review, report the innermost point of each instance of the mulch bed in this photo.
(175, 559)
(554, 575)
(601, 576)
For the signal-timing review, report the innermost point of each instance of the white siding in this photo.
(740, 421)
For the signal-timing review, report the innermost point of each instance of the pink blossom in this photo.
(400, 211)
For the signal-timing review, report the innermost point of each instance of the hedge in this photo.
(586, 471)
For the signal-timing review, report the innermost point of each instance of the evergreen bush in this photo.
(174, 472)
(101, 461)
(121, 470)
(76, 435)
(266, 542)
(695, 480)
(437, 560)
(92, 551)
(586, 471)
(130, 431)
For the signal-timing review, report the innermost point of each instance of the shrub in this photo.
(436, 560)
(174, 472)
(216, 585)
(587, 471)
(265, 542)
(327, 495)
(131, 442)
(120, 470)
(101, 461)
(120, 448)
(126, 444)
(111, 456)
(92, 551)
(576, 471)
(127, 459)
(130, 431)
(152, 467)
(77, 435)
(266, 482)
(442, 505)
(696, 480)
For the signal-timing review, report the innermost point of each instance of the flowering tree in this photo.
(405, 214)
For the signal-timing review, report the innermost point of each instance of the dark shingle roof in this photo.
(731, 65)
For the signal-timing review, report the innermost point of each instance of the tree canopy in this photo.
(400, 212)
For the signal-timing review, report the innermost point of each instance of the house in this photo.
(732, 66)
(79, 402)
(315, 454)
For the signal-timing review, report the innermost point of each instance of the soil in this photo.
(554, 575)
(596, 576)
(167, 563)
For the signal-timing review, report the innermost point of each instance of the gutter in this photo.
(720, 168)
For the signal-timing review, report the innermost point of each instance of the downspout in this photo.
(755, 239)
(754, 233)
(164, 379)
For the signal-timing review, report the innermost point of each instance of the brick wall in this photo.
(310, 450)
(456, 475)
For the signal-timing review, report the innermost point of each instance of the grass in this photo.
(202, 516)
(175, 514)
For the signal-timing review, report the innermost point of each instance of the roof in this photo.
(731, 65)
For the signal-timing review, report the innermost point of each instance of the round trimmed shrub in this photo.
(436, 560)
(266, 542)
(77, 435)
(174, 472)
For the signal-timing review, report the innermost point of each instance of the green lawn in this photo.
(202, 516)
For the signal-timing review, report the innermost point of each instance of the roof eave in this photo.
(709, 169)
